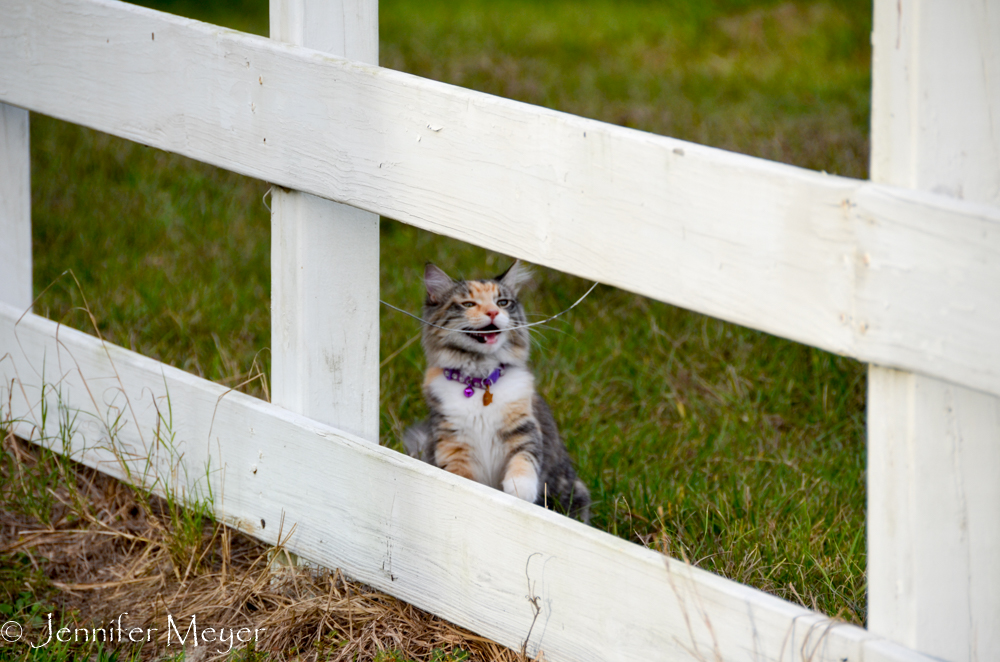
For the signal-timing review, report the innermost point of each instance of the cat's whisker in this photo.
(552, 327)
(537, 334)
(512, 328)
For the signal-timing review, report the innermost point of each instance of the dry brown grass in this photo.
(106, 549)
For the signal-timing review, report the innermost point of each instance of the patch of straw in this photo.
(110, 549)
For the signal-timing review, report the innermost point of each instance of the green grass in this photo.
(173, 255)
(742, 452)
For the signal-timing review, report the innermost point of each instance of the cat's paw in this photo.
(523, 488)
(521, 480)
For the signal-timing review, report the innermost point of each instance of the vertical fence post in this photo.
(15, 207)
(325, 257)
(934, 447)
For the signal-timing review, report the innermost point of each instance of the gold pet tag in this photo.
(487, 397)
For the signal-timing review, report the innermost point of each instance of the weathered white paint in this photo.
(894, 277)
(325, 259)
(15, 208)
(933, 515)
(469, 553)
(934, 448)
(324, 311)
(348, 28)
(936, 97)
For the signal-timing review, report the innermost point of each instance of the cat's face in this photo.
(477, 315)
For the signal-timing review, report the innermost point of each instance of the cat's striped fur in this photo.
(513, 443)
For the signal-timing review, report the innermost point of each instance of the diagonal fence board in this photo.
(468, 553)
(885, 275)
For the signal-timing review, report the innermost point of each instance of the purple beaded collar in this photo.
(472, 383)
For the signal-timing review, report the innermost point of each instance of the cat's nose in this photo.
(493, 313)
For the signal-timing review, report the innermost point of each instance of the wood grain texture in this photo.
(464, 551)
(325, 259)
(347, 28)
(324, 311)
(15, 208)
(936, 98)
(933, 516)
(888, 276)
(934, 448)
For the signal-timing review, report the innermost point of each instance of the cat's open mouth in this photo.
(487, 335)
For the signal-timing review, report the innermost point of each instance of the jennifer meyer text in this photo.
(181, 633)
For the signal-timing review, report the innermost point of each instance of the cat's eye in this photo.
(503, 303)
(468, 304)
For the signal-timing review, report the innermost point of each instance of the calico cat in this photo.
(487, 423)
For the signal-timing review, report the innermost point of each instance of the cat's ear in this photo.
(516, 275)
(438, 283)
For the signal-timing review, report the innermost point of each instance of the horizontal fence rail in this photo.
(469, 553)
(888, 276)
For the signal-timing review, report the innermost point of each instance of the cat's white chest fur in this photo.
(478, 425)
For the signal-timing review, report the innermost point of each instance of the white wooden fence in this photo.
(902, 272)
